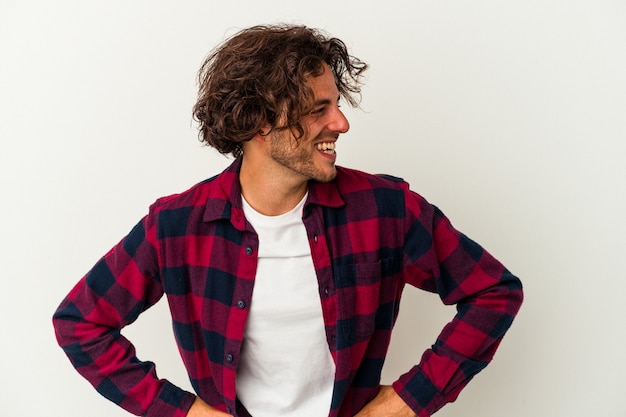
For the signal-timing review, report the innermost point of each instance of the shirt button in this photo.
(315, 238)
(229, 357)
(326, 290)
(248, 250)
(241, 304)
(229, 410)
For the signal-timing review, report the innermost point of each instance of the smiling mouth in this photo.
(326, 147)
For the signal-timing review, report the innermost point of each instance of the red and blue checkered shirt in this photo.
(369, 236)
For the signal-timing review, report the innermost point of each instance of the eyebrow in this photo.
(324, 101)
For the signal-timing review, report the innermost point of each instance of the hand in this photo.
(387, 403)
(201, 409)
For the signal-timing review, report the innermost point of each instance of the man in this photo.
(284, 273)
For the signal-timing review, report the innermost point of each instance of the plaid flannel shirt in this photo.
(369, 236)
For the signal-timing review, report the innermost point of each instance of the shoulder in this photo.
(351, 180)
(384, 190)
(217, 189)
(205, 201)
(183, 213)
(198, 194)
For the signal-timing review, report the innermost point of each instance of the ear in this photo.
(263, 133)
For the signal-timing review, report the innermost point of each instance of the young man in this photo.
(284, 273)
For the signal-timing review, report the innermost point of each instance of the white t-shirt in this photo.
(286, 368)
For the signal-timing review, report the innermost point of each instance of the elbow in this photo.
(64, 321)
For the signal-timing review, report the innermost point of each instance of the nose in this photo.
(339, 123)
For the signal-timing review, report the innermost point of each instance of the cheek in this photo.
(313, 128)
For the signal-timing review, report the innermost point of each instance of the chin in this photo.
(327, 177)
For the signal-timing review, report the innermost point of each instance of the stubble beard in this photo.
(299, 158)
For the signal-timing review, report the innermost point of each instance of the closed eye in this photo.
(322, 109)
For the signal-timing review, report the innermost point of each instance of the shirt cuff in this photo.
(171, 402)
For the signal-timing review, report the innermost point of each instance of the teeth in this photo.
(325, 146)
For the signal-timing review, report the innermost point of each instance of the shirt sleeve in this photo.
(88, 323)
(440, 259)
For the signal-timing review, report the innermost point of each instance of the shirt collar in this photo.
(227, 190)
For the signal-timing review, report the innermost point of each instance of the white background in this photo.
(509, 115)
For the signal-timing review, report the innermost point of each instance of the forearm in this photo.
(89, 321)
(487, 297)
(464, 347)
(108, 361)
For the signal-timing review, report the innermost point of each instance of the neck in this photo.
(268, 192)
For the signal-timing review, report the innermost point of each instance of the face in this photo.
(313, 155)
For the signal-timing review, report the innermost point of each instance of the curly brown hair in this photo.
(258, 77)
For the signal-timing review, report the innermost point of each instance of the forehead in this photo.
(324, 86)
